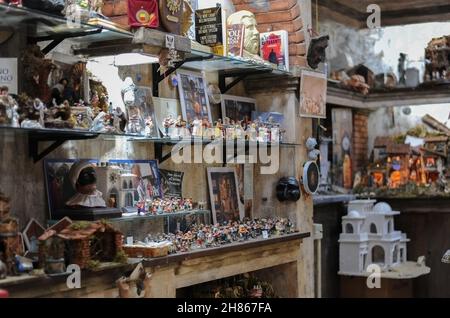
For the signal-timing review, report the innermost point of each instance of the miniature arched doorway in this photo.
(373, 228)
(349, 228)
(395, 255)
(378, 255)
(128, 200)
(113, 198)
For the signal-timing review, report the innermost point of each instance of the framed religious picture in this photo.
(224, 195)
(193, 96)
(237, 108)
(313, 95)
(60, 188)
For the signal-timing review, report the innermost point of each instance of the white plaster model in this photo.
(368, 237)
(116, 183)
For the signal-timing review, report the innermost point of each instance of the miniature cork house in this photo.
(81, 242)
(368, 237)
(10, 239)
(391, 163)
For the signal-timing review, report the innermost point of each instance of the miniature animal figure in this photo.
(316, 51)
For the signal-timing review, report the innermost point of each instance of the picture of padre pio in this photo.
(224, 195)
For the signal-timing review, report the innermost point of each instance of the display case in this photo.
(101, 192)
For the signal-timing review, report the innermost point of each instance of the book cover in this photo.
(235, 39)
(208, 28)
(275, 48)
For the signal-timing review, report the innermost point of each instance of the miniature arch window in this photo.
(395, 254)
(373, 228)
(378, 255)
(124, 184)
(389, 226)
(130, 184)
(128, 200)
(349, 228)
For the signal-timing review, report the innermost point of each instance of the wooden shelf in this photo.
(238, 246)
(390, 98)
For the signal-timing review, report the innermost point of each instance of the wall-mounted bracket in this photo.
(58, 138)
(158, 77)
(56, 39)
(238, 77)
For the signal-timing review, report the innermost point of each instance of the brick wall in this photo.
(360, 141)
(274, 15)
(271, 15)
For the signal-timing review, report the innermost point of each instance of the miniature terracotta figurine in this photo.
(149, 126)
(83, 178)
(168, 123)
(197, 128)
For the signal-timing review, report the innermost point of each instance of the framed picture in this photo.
(224, 194)
(193, 96)
(313, 95)
(137, 181)
(58, 184)
(144, 102)
(237, 108)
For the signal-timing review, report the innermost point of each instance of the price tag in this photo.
(170, 41)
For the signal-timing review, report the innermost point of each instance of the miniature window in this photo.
(402, 255)
(124, 184)
(129, 200)
(378, 255)
(373, 228)
(389, 229)
(130, 185)
(395, 254)
(348, 228)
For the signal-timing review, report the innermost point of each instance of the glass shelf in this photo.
(136, 217)
(43, 26)
(213, 63)
(76, 134)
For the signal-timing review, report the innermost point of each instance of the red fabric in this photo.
(4, 293)
(143, 13)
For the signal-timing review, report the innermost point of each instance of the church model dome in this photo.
(382, 207)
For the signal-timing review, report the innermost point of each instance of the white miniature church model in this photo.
(368, 237)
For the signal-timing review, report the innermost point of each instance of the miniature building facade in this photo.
(116, 185)
(368, 237)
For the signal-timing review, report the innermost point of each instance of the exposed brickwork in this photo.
(360, 140)
(271, 15)
(274, 15)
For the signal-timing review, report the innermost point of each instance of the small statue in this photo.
(180, 126)
(168, 123)
(120, 120)
(402, 69)
(83, 178)
(135, 120)
(197, 128)
(10, 107)
(149, 125)
(251, 33)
